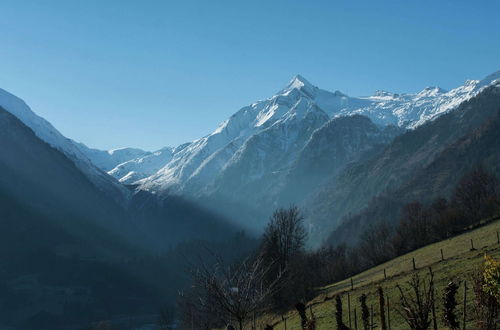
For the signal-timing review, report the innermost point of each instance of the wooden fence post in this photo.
(442, 256)
(433, 306)
(385, 275)
(388, 313)
(371, 316)
(284, 319)
(471, 244)
(355, 320)
(349, 308)
(413, 261)
(465, 304)
(352, 285)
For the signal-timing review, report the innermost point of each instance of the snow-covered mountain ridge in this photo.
(74, 151)
(109, 159)
(140, 167)
(196, 167)
(260, 141)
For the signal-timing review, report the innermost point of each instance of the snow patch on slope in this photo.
(47, 133)
(107, 160)
(138, 168)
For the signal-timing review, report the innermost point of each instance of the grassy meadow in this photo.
(460, 261)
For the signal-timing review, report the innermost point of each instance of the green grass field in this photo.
(459, 264)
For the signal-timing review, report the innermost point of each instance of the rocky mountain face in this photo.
(422, 164)
(339, 142)
(74, 151)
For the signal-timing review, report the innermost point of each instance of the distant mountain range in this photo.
(278, 151)
(298, 104)
(269, 154)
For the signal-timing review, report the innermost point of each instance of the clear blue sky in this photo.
(114, 73)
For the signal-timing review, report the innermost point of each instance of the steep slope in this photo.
(50, 182)
(70, 254)
(421, 164)
(46, 132)
(259, 165)
(60, 238)
(341, 141)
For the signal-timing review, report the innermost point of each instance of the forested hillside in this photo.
(423, 164)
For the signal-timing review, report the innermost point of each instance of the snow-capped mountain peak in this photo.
(298, 106)
(279, 125)
(431, 91)
(301, 85)
(298, 82)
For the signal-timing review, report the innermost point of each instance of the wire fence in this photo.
(367, 279)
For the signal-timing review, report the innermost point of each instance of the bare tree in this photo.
(415, 228)
(417, 302)
(476, 195)
(446, 219)
(283, 247)
(334, 264)
(375, 244)
(284, 237)
(234, 292)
